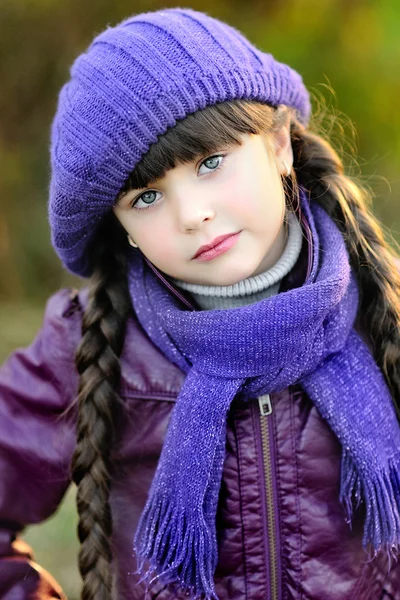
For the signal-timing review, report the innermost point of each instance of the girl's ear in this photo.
(280, 143)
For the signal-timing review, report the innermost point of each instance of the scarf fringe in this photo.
(379, 492)
(177, 547)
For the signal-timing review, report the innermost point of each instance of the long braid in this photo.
(319, 169)
(97, 361)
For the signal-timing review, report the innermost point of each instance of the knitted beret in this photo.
(135, 81)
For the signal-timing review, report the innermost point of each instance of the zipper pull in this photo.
(264, 402)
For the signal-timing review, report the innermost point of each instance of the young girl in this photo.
(224, 393)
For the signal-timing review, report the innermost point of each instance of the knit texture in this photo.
(303, 335)
(135, 81)
(255, 288)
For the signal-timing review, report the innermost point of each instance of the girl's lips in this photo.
(220, 245)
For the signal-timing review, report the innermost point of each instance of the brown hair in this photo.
(319, 169)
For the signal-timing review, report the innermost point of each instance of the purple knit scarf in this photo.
(303, 335)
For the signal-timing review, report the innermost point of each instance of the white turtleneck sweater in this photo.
(253, 289)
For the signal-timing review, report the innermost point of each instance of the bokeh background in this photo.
(348, 52)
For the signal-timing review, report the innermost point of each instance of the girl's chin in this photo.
(227, 275)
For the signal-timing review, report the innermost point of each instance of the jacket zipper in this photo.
(271, 529)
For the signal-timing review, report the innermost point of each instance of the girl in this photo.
(236, 352)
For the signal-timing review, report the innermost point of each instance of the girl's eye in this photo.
(212, 162)
(146, 199)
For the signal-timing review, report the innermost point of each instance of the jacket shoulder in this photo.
(43, 373)
(144, 369)
(62, 320)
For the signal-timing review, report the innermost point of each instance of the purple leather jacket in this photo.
(281, 529)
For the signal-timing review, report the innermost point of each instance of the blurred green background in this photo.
(350, 46)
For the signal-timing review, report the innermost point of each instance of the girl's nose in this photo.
(192, 211)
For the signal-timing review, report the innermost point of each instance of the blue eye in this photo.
(147, 198)
(212, 162)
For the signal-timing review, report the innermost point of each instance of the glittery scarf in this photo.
(303, 335)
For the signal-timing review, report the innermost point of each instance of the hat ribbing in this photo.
(135, 81)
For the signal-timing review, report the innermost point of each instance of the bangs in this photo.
(199, 134)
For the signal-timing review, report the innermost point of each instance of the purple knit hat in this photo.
(135, 81)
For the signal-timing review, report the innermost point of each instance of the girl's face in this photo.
(235, 194)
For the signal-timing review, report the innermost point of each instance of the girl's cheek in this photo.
(235, 197)
(156, 241)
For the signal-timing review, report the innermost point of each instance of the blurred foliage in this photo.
(349, 46)
(55, 545)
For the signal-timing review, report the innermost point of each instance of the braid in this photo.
(319, 169)
(97, 361)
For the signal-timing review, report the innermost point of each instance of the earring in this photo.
(288, 169)
(131, 242)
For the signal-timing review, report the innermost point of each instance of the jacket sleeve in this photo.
(37, 440)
